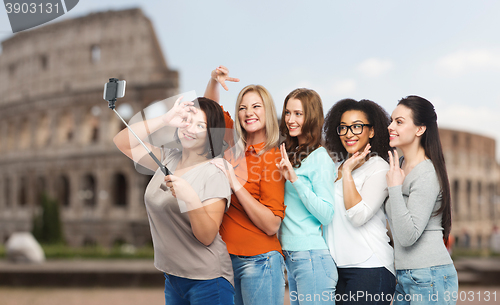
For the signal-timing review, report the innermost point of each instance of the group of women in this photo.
(219, 227)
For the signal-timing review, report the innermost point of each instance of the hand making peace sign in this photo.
(285, 166)
(395, 176)
(221, 75)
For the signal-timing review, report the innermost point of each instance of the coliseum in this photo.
(56, 134)
(56, 130)
(474, 176)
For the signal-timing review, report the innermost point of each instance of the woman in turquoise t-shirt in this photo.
(310, 172)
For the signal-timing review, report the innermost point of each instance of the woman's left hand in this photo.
(285, 166)
(395, 176)
(351, 163)
(181, 189)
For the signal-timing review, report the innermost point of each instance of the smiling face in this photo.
(193, 136)
(294, 118)
(402, 130)
(251, 113)
(351, 142)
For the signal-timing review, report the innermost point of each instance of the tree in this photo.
(47, 226)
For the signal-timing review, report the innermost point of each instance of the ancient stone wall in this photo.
(56, 130)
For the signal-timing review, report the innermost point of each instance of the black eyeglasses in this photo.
(356, 129)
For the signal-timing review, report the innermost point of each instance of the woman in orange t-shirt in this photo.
(257, 208)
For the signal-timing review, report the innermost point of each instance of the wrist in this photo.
(236, 186)
(346, 172)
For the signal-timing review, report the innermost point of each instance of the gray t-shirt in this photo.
(176, 249)
(417, 232)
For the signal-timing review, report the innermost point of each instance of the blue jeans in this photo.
(365, 286)
(259, 279)
(434, 285)
(183, 291)
(312, 277)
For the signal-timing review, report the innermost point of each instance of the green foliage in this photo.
(94, 252)
(47, 226)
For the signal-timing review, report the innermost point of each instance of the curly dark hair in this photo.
(376, 116)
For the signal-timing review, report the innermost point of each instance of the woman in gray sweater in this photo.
(419, 207)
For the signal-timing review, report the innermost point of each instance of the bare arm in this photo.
(206, 219)
(261, 215)
(218, 76)
(126, 142)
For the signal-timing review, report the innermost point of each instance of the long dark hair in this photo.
(376, 116)
(423, 114)
(311, 129)
(215, 127)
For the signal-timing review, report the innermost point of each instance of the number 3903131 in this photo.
(481, 296)
(31, 8)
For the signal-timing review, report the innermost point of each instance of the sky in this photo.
(445, 51)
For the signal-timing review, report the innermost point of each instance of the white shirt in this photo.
(358, 237)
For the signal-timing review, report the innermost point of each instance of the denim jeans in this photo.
(365, 286)
(434, 285)
(312, 277)
(259, 279)
(183, 291)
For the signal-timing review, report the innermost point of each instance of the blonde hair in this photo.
(272, 127)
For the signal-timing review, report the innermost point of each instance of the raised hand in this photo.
(180, 114)
(221, 75)
(395, 176)
(285, 166)
(356, 159)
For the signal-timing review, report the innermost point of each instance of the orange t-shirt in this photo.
(260, 176)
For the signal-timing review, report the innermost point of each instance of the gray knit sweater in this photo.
(418, 235)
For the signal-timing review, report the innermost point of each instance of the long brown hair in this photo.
(311, 129)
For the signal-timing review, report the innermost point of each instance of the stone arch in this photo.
(90, 126)
(11, 136)
(120, 190)
(455, 197)
(66, 127)
(63, 190)
(7, 191)
(43, 131)
(41, 188)
(22, 191)
(24, 135)
(88, 190)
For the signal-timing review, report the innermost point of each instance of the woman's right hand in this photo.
(180, 114)
(221, 75)
(395, 176)
(285, 166)
(228, 170)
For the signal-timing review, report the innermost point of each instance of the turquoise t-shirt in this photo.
(309, 203)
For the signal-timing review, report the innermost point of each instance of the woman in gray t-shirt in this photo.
(419, 207)
(185, 209)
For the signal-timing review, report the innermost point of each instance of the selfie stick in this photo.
(114, 89)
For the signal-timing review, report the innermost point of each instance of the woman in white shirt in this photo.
(356, 135)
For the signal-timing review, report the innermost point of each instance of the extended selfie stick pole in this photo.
(111, 98)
